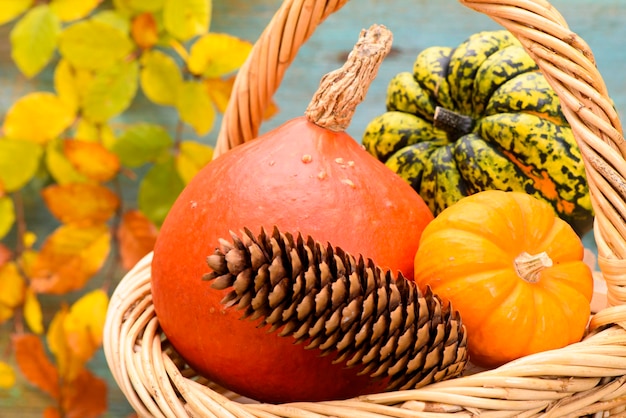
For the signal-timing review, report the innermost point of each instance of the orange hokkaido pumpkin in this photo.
(302, 177)
(512, 269)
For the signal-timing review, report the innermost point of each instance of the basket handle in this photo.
(564, 58)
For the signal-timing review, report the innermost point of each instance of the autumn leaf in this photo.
(12, 290)
(32, 312)
(195, 107)
(81, 204)
(52, 412)
(68, 10)
(113, 18)
(37, 117)
(185, 19)
(192, 156)
(70, 83)
(19, 161)
(85, 396)
(7, 376)
(35, 365)
(144, 5)
(160, 77)
(7, 215)
(84, 324)
(13, 8)
(69, 366)
(158, 190)
(59, 166)
(136, 236)
(92, 159)
(219, 90)
(69, 257)
(93, 44)
(217, 54)
(85, 130)
(34, 40)
(5, 254)
(144, 30)
(111, 91)
(142, 143)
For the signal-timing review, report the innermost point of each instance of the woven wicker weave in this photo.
(585, 378)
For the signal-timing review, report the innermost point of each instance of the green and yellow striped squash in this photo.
(477, 117)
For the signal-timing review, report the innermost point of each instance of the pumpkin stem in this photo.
(455, 124)
(342, 90)
(529, 266)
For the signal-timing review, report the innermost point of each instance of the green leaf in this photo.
(13, 8)
(141, 144)
(160, 77)
(113, 18)
(158, 190)
(111, 91)
(19, 162)
(34, 40)
(185, 19)
(93, 44)
(217, 54)
(192, 156)
(7, 215)
(59, 166)
(195, 107)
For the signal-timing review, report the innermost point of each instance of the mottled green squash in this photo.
(477, 117)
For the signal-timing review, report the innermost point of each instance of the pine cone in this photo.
(341, 305)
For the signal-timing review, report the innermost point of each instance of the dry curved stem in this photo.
(342, 90)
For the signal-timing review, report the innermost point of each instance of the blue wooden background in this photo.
(416, 24)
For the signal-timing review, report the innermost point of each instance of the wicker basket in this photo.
(585, 378)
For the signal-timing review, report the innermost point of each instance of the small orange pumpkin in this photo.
(512, 269)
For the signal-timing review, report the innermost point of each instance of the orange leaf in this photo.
(35, 365)
(136, 235)
(144, 30)
(81, 203)
(5, 254)
(12, 290)
(69, 257)
(51, 412)
(85, 397)
(92, 159)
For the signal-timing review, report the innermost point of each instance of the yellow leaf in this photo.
(111, 92)
(12, 286)
(71, 83)
(219, 90)
(7, 376)
(19, 162)
(136, 236)
(113, 18)
(185, 19)
(32, 312)
(81, 203)
(92, 159)
(69, 257)
(37, 117)
(13, 8)
(93, 44)
(217, 54)
(85, 130)
(160, 77)
(68, 10)
(34, 40)
(195, 107)
(58, 165)
(192, 156)
(69, 366)
(27, 260)
(144, 5)
(84, 324)
(7, 215)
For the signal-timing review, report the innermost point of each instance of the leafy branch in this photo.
(72, 147)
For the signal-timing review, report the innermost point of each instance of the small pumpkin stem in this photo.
(342, 90)
(455, 124)
(529, 266)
